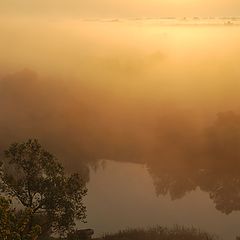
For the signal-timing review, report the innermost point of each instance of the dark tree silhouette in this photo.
(37, 180)
(14, 224)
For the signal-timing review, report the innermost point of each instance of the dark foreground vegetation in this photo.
(38, 199)
(161, 233)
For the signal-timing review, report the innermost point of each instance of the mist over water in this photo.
(163, 95)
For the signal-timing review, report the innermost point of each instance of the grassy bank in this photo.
(161, 233)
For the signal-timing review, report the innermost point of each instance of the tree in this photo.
(37, 180)
(14, 225)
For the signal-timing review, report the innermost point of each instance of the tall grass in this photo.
(161, 233)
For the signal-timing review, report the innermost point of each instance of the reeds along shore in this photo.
(161, 233)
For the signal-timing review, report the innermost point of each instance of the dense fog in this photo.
(126, 90)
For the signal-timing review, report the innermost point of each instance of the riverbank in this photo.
(161, 233)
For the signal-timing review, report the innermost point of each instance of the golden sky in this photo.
(121, 8)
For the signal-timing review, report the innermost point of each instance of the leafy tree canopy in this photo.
(14, 225)
(37, 180)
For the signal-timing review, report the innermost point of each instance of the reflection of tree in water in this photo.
(177, 186)
(223, 189)
(216, 170)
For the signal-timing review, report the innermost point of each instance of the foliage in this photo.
(161, 233)
(14, 225)
(37, 180)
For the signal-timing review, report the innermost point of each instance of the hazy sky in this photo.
(123, 8)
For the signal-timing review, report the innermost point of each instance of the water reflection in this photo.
(223, 187)
(214, 168)
(122, 195)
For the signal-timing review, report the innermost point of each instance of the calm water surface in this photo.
(122, 195)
